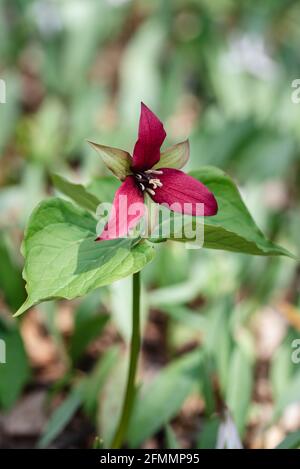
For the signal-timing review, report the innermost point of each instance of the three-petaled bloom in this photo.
(152, 172)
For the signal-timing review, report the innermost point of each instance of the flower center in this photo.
(148, 180)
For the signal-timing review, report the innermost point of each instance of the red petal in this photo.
(180, 189)
(151, 136)
(128, 207)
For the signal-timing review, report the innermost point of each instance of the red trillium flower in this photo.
(154, 173)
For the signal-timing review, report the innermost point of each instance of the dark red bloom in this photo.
(155, 173)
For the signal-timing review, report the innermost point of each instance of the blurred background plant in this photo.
(218, 327)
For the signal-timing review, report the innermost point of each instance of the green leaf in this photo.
(143, 55)
(9, 112)
(76, 192)
(121, 307)
(209, 433)
(219, 332)
(118, 161)
(111, 399)
(160, 400)
(186, 316)
(281, 370)
(11, 282)
(15, 371)
(61, 417)
(239, 388)
(97, 379)
(88, 324)
(291, 441)
(290, 394)
(89, 320)
(207, 389)
(45, 132)
(98, 443)
(233, 228)
(62, 260)
(175, 156)
(87, 328)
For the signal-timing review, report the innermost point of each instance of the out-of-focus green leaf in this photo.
(162, 268)
(62, 259)
(206, 383)
(104, 188)
(186, 316)
(110, 401)
(76, 192)
(96, 381)
(228, 435)
(171, 440)
(88, 324)
(11, 282)
(121, 306)
(219, 332)
(15, 371)
(233, 228)
(175, 156)
(161, 399)
(281, 370)
(61, 417)
(45, 132)
(116, 160)
(269, 155)
(289, 395)
(88, 25)
(9, 110)
(87, 328)
(83, 109)
(98, 443)
(218, 145)
(209, 433)
(291, 441)
(49, 313)
(142, 55)
(239, 387)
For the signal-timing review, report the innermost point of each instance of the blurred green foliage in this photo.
(219, 73)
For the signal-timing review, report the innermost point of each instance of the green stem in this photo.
(134, 356)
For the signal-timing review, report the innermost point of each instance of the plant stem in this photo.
(134, 355)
